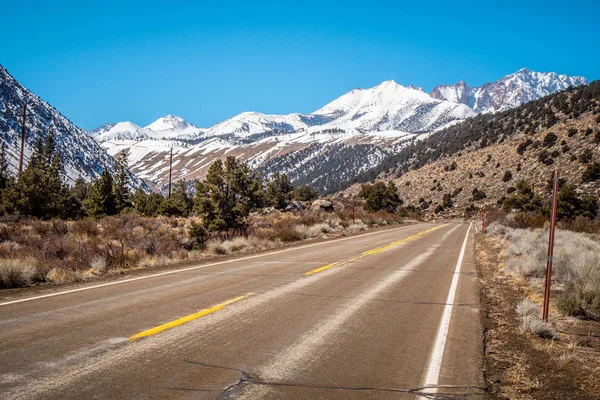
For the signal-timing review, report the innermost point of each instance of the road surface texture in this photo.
(391, 314)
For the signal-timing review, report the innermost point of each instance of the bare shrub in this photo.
(538, 327)
(236, 244)
(357, 227)
(576, 268)
(261, 244)
(496, 228)
(215, 246)
(16, 273)
(302, 232)
(527, 308)
(319, 229)
(288, 232)
(98, 265)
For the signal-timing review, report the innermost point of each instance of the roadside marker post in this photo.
(547, 283)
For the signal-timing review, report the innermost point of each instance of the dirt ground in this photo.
(523, 366)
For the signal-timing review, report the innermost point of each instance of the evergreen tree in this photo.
(305, 193)
(4, 175)
(380, 196)
(180, 204)
(121, 184)
(226, 197)
(279, 190)
(102, 199)
(39, 190)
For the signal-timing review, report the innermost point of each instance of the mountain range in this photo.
(363, 126)
(346, 137)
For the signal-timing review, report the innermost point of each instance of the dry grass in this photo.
(576, 265)
(14, 272)
(34, 252)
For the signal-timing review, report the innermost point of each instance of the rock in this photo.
(295, 206)
(322, 205)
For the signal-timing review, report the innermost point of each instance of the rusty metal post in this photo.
(548, 282)
(22, 136)
(170, 170)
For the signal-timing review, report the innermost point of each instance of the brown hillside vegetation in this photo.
(485, 168)
(496, 169)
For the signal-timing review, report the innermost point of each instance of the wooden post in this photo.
(170, 170)
(22, 137)
(547, 283)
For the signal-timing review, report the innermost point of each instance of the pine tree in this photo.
(226, 197)
(279, 190)
(180, 204)
(39, 190)
(121, 184)
(4, 175)
(102, 199)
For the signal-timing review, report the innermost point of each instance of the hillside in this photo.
(479, 152)
(81, 155)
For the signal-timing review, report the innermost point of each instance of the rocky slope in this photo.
(508, 92)
(478, 153)
(82, 155)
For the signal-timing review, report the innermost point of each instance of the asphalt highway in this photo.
(392, 314)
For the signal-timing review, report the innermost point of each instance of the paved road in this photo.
(376, 316)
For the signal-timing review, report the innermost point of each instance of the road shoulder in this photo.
(519, 365)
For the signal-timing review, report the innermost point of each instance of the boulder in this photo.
(322, 205)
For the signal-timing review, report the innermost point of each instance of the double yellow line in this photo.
(373, 251)
(207, 311)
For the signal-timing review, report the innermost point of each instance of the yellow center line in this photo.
(188, 318)
(373, 251)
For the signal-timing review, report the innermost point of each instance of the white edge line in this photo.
(437, 354)
(198, 267)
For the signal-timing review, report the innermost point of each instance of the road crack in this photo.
(446, 392)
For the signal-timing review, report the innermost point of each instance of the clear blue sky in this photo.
(209, 60)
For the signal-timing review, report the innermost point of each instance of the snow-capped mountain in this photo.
(392, 107)
(363, 124)
(508, 92)
(82, 155)
(119, 131)
(173, 127)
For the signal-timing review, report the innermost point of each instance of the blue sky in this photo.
(207, 61)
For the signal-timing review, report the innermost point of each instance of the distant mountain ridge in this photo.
(362, 126)
(508, 92)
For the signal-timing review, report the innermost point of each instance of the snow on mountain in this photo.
(390, 106)
(173, 127)
(387, 116)
(120, 131)
(251, 123)
(508, 92)
(81, 154)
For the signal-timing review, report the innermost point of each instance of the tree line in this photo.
(223, 199)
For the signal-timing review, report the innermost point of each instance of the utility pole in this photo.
(170, 170)
(22, 136)
(548, 281)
